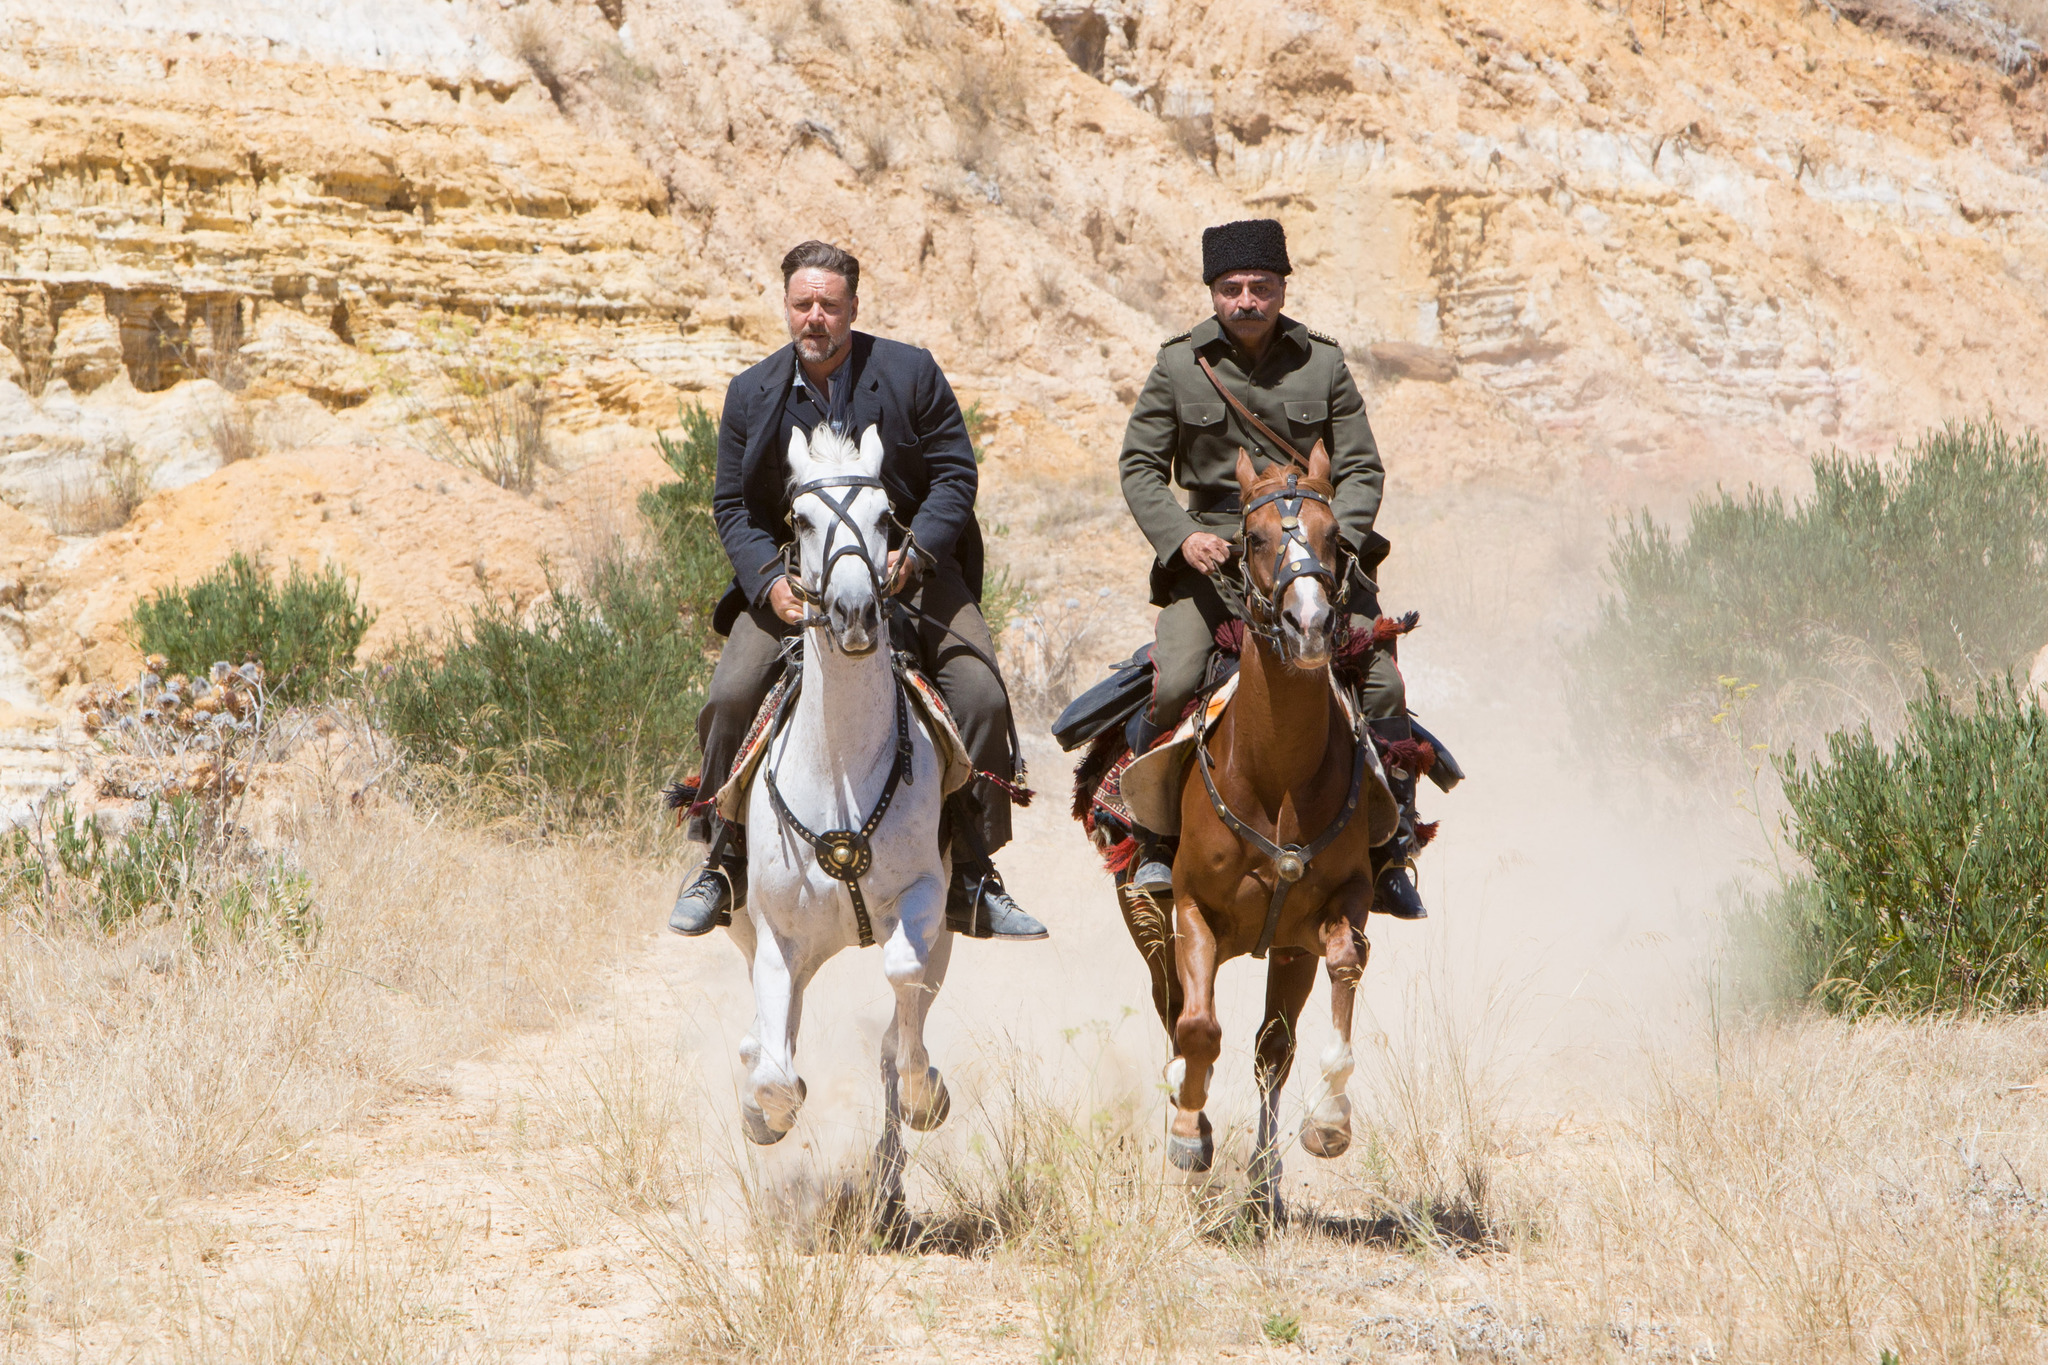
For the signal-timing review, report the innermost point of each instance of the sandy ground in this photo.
(1561, 948)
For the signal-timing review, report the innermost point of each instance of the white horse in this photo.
(831, 766)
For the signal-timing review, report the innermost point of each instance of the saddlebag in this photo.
(1109, 703)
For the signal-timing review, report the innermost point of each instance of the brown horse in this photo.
(1278, 824)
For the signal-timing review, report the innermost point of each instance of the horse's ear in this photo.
(799, 454)
(871, 448)
(1246, 475)
(1319, 464)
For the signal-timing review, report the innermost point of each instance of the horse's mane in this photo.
(830, 449)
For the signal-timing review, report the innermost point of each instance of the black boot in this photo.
(977, 903)
(1395, 890)
(716, 889)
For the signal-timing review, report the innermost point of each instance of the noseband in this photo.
(1262, 612)
(842, 515)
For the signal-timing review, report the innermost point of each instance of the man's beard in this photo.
(815, 348)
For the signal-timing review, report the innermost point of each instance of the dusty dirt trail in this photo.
(480, 1208)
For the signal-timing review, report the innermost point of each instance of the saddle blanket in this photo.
(1150, 786)
(956, 769)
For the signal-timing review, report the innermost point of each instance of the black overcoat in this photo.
(927, 463)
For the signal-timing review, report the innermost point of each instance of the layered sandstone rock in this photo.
(1563, 244)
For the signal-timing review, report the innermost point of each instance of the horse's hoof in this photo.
(1194, 1154)
(1326, 1129)
(1325, 1140)
(933, 1114)
(758, 1131)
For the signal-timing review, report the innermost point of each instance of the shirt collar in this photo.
(832, 381)
(1209, 332)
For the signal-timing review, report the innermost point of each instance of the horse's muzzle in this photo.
(1307, 625)
(856, 630)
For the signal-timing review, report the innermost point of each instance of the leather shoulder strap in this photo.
(1246, 413)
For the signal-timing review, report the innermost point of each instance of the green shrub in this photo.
(579, 713)
(305, 630)
(692, 558)
(1929, 858)
(1807, 617)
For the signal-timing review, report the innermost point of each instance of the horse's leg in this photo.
(1151, 930)
(774, 1091)
(915, 958)
(1290, 976)
(1326, 1128)
(1197, 1036)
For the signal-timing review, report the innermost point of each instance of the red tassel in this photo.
(1416, 756)
(1019, 796)
(1120, 855)
(1425, 830)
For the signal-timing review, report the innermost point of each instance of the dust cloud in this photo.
(1573, 921)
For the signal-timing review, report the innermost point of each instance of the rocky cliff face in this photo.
(1614, 247)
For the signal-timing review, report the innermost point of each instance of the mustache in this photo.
(1245, 314)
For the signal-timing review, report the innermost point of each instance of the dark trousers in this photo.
(753, 657)
(1186, 641)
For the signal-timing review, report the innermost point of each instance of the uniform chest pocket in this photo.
(1308, 414)
(1201, 414)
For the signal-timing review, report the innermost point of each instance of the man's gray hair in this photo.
(821, 256)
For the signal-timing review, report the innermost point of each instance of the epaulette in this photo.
(1179, 336)
(1326, 339)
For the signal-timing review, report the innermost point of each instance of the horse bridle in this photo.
(1262, 613)
(1290, 861)
(842, 515)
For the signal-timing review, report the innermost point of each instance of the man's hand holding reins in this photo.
(1205, 552)
(782, 601)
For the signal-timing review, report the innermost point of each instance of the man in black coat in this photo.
(830, 373)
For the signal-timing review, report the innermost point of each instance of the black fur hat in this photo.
(1249, 244)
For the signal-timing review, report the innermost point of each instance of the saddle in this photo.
(956, 768)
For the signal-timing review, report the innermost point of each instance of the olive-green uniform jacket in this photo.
(1182, 432)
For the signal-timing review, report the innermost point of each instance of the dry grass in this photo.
(103, 500)
(232, 434)
(1042, 648)
(1788, 1189)
(152, 1064)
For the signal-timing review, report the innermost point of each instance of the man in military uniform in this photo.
(1185, 430)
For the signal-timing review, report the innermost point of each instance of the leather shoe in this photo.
(1154, 876)
(704, 903)
(978, 906)
(1397, 894)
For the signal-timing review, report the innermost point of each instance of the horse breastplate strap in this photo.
(1290, 861)
(845, 855)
